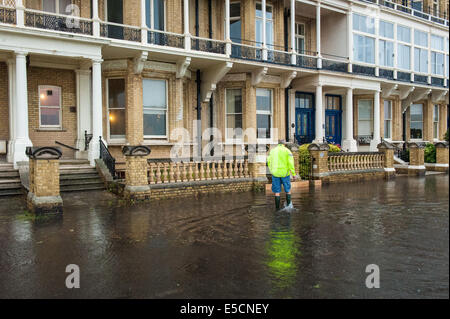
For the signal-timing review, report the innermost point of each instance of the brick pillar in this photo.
(136, 177)
(319, 156)
(442, 156)
(43, 196)
(388, 150)
(134, 109)
(416, 159)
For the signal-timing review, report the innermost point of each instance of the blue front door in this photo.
(333, 119)
(304, 117)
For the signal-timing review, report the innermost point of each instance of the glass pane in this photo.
(50, 116)
(437, 42)
(235, 31)
(263, 100)
(263, 124)
(387, 29)
(435, 130)
(234, 121)
(116, 93)
(49, 96)
(364, 128)
(365, 109)
(436, 113)
(420, 38)
(116, 123)
(404, 34)
(404, 55)
(154, 93)
(416, 112)
(234, 101)
(387, 129)
(49, 5)
(63, 4)
(154, 122)
(158, 14)
(387, 110)
(235, 9)
(416, 130)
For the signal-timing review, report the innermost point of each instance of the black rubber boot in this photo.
(288, 199)
(277, 202)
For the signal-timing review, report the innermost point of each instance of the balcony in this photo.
(57, 22)
(7, 15)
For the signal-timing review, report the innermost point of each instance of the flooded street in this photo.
(235, 245)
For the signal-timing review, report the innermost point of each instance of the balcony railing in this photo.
(420, 79)
(306, 61)
(278, 57)
(437, 81)
(57, 22)
(386, 74)
(404, 76)
(7, 15)
(207, 45)
(246, 52)
(120, 32)
(334, 63)
(164, 38)
(363, 69)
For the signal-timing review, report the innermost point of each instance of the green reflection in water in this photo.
(283, 250)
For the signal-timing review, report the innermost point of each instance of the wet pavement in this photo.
(235, 246)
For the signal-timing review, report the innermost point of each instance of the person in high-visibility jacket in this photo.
(281, 166)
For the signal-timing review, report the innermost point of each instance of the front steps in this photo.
(78, 175)
(10, 184)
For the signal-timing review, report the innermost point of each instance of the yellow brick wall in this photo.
(442, 121)
(44, 177)
(68, 134)
(4, 102)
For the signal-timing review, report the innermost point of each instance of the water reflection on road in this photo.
(235, 245)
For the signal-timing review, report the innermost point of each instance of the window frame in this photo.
(300, 37)
(436, 121)
(270, 46)
(159, 137)
(355, 55)
(152, 20)
(116, 139)
(390, 103)
(399, 44)
(371, 116)
(410, 121)
(380, 48)
(265, 139)
(60, 107)
(232, 139)
(235, 18)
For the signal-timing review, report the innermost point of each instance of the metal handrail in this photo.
(67, 146)
(107, 158)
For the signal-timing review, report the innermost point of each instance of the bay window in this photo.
(364, 48)
(437, 63)
(386, 53)
(233, 116)
(416, 121)
(404, 56)
(421, 60)
(420, 38)
(363, 23)
(116, 108)
(386, 29)
(155, 108)
(264, 113)
(49, 106)
(404, 34)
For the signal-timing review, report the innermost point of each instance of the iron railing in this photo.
(278, 57)
(402, 153)
(363, 69)
(437, 81)
(333, 65)
(307, 62)
(55, 22)
(7, 15)
(386, 73)
(207, 45)
(404, 76)
(165, 39)
(120, 32)
(420, 78)
(107, 158)
(246, 52)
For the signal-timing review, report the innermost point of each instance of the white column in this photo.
(319, 115)
(20, 13)
(187, 35)
(292, 126)
(97, 119)
(319, 56)
(21, 115)
(376, 123)
(144, 32)
(227, 27)
(264, 42)
(12, 108)
(350, 39)
(84, 102)
(293, 49)
(95, 19)
(349, 143)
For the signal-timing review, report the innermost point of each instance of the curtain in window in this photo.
(420, 60)
(404, 57)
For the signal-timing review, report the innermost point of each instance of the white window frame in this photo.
(299, 36)
(152, 21)
(56, 7)
(121, 139)
(393, 31)
(434, 63)
(385, 52)
(227, 138)
(398, 55)
(264, 139)
(268, 45)
(388, 120)
(159, 137)
(59, 126)
(235, 18)
(410, 121)
(436, 121)
(371, 115)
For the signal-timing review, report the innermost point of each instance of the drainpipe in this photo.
(286, 90)
(211, 101)
(199, 115)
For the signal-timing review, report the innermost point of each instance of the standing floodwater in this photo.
(235, 246)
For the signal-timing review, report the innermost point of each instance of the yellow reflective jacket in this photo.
(281, 162)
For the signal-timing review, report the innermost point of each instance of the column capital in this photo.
(21, 53)
(97, 61)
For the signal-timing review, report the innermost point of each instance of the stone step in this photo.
(74, 167)
(78, 171)
(11, 192)
(9, 174)
(80, 188)
(81, 182)
(9, 180)
(8, 169)
(73, 162)
(11, 186)
(78, 176)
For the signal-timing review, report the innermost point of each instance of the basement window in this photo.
(49, 106)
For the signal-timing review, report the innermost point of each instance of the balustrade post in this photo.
(319, 155)
(442, 157)
(416, 159)
(136, 174)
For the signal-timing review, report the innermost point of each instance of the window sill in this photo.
(50, 130)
